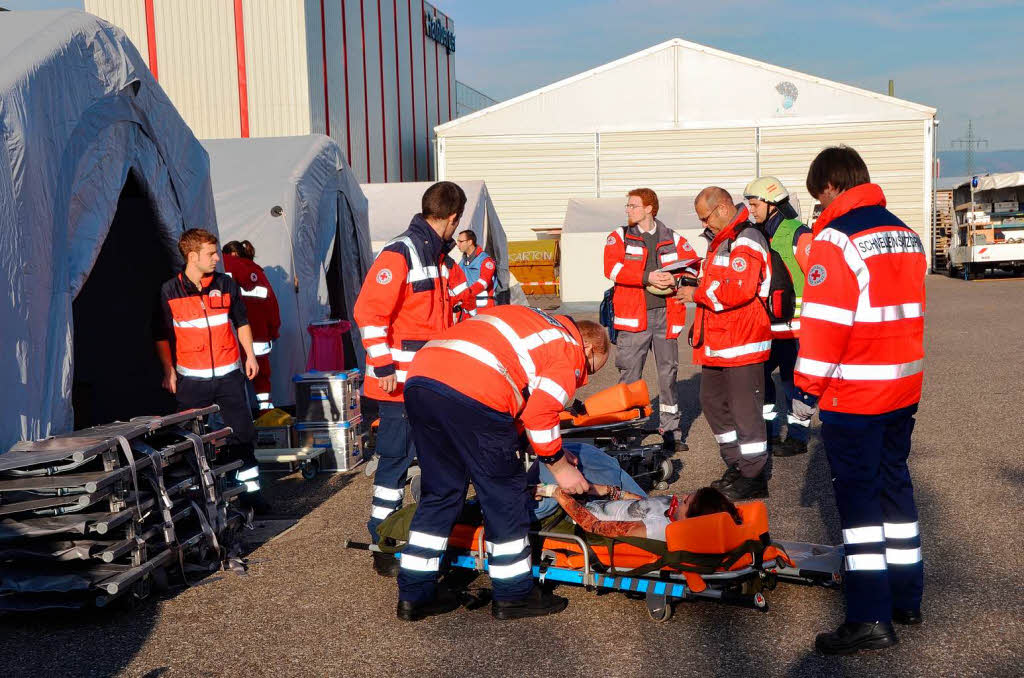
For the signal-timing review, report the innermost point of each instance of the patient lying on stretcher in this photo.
(613, 512)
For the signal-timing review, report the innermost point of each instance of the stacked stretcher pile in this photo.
(90, 516)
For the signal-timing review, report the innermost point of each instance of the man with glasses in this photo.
(647, 315)
(476, 292)
(731, 338)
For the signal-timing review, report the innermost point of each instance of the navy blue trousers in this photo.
(783, 359)
(395, 450)
(458, 440)
(875, 497)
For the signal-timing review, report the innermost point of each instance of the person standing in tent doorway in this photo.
(404, 303)
(647, 315)
(200, 353)
(261, 307)
(477, 291)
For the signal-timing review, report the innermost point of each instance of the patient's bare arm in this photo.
(605, 528)
(611, 492)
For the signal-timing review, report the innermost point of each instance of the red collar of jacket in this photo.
(862, 195)
(730, 231)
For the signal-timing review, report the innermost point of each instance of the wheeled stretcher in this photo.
(704, 558)
(616, 418)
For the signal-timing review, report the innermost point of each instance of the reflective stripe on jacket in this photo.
(625, 260)
(862, 337)
(403, 303)
(513, 359)
(731, 326)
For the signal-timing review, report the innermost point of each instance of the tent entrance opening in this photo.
(117, 374)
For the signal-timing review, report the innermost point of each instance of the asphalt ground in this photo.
(308, 607)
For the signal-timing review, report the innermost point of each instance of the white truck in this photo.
(988, 234)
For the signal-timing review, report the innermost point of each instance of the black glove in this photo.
(577, 408)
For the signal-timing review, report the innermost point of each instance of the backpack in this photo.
(607, 314)
(781, 303)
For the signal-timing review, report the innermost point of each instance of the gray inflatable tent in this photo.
(99, 175)
(315, 252)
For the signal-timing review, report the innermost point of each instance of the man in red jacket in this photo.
(862, 361)
(404, 302)
(469, 391)
(647, 315)
(731, 338)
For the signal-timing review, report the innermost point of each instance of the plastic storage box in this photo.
(327, 396)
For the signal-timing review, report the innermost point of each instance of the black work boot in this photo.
(385, 564)
(790, 448)
(732, 473)
(536, 604)
(444, 601)
(747, 488)
(907, 616)
(672, 445)
(855, 636)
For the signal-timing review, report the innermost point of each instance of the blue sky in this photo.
(964, 58)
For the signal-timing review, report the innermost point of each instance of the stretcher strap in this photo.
(126, 449)
(700, 563)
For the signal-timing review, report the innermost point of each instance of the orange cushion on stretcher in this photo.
(610, 418)
(618, 398)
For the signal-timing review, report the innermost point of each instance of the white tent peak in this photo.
(680, 48)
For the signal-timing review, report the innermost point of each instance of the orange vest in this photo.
(204, 341)
(625, 260)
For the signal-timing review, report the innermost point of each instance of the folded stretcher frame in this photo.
(92, 515)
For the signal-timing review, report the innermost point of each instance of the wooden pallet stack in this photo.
(942, 230)
(90, 516)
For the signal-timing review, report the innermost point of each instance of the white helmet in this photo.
(773, 192)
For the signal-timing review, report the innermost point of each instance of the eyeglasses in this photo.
(634, 207)
(704, 219)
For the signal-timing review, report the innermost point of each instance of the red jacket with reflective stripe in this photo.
(731, 327)
(862, 331)
(480, 294)
(200, 322)
(513, 359)
(404, 302)
(625, 260)
(258, 295)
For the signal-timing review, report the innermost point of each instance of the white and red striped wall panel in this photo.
(363, 71)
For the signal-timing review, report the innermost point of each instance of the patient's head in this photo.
(708, 500)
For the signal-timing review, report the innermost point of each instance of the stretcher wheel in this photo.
(760, 602)
(310, 468)
(371, 467)
(661, 485)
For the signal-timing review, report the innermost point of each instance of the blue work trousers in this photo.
(875, 497)
(396, 450)
(458, 440)
(783, 359)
